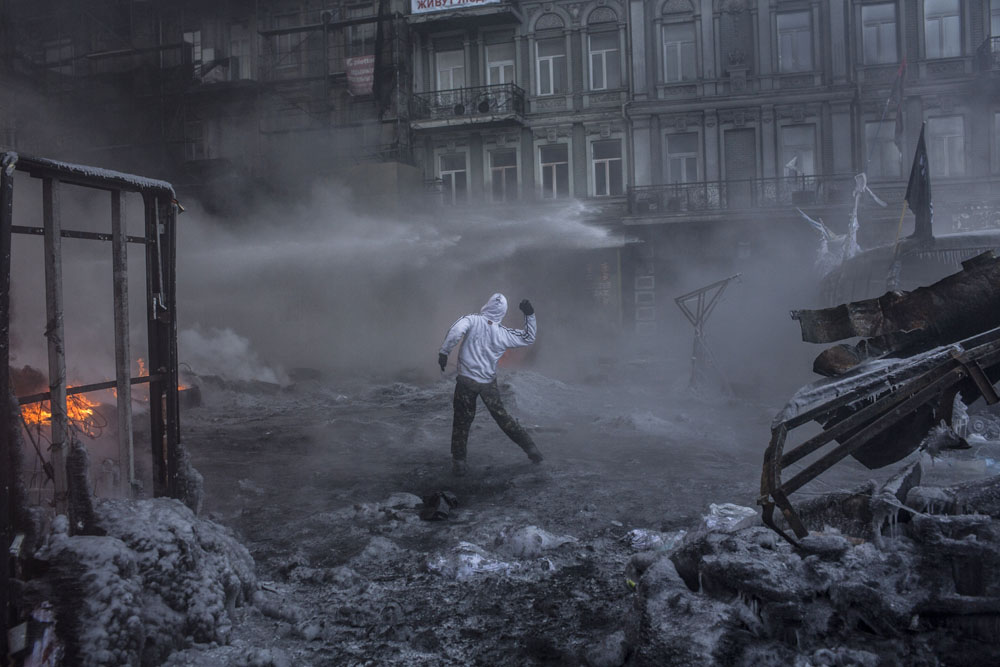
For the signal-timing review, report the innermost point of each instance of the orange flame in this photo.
(79, 411)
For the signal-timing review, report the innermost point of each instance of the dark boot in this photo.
(532, 452)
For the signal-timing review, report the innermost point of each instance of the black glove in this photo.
(442, 360)
(527, 308)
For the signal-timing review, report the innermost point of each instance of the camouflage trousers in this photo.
(466, 391)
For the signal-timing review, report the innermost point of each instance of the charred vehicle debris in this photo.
(899, 571)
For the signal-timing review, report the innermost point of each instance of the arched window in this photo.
(550, 56)
(604, 49)
(678, 42)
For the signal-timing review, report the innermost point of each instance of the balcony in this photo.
(479, 105)
(707, 197)
(988, 55)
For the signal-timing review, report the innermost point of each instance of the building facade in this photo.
(697, 127)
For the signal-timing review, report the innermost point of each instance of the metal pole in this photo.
(156, 426)
(168, 339)
(123, 355)
(54, 333)
(8, 483)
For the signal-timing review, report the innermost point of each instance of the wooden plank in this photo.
(86, 388)
(887, 419)
(8, 423)
(862, 416)
(73, 234)
(54, 334)
(123, 354)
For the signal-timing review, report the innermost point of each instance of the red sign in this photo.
(360, 75)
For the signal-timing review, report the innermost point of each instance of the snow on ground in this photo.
(321, 480)
(528, 569)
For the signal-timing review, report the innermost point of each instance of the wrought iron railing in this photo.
(988, 54)
(471, 103)
(393, 152)
(740, 194)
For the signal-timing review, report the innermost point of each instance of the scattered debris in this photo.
(641, 539)
(437, 506)
(728, 518)
(467, 560)
(530, 542)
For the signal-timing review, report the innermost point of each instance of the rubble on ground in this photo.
(159, 580)
(900, 574)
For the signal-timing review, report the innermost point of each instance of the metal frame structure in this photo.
(705, 300)
(160, 207)
(970, 366)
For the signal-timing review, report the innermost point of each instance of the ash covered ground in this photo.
(321, 480)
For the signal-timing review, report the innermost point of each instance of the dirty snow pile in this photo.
(874, 587)
(159, 580)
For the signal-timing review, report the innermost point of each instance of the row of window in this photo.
(554, 175)
(945, 137)
(551, 65)
(942, 32)
(879, 45)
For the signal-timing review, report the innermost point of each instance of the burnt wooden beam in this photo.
(154, 336)
(123, 355)
(87, 388)
(54, 334)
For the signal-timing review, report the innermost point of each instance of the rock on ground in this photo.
(923, 590)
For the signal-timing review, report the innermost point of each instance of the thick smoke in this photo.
(323, 284)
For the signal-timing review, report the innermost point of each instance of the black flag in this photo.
(918, 191)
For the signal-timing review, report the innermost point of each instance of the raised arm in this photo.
(525, 336)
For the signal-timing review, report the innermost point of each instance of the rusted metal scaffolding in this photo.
(159, 239)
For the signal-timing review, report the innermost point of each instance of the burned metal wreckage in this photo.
(78, 573)
(918, 352)
(902, 572)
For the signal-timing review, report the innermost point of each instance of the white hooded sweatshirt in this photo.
(486, 339)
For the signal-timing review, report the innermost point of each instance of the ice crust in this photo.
(160, 580)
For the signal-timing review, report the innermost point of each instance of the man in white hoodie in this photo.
(485, 342)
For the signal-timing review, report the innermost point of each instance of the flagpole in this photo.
(899, 228)
(885, 110)
(878, 129)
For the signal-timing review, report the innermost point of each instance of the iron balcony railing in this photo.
(504, 99)
(740, 194)
(988, 54)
